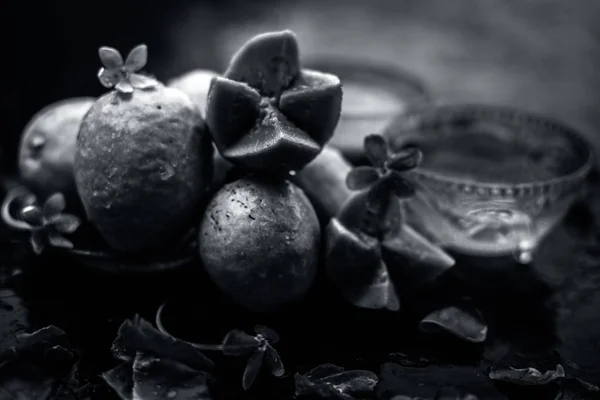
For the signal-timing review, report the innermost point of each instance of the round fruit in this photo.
(260, 241)
(195, 84)
(266, 112)
(47, 149)
(142, 167)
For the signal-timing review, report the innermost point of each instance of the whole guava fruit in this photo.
(259, 241)
(142, 167)
(47, 149)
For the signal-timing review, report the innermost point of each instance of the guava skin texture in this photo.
(47, 149)
(259, 241)
(142, 167)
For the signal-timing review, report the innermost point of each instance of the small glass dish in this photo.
(493, 180)
(373, 94)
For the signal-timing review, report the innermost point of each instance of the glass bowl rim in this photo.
(397, 80)
(502, 112)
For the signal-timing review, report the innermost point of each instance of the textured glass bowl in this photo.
(494, 180)
(373, 95)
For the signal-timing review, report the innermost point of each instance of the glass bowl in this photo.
(373, 94)
(493, 180)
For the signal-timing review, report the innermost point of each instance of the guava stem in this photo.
(12, 195)
(199, 346)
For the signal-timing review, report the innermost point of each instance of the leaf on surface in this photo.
(252, 369)
(527, 376)
(238, 343)
(362, 177)
(138, 335)
(376, 150)
(355, 268)
(457, 322)
(331, 381)
(156, 378)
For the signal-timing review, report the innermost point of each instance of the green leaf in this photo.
(457, 322)
(158, 378)
(252, 369)
(376, 150)
(138, 335)
(527, 376)
(137, 58)
(54, 206)
(360, 178)
(38, 241)
(109, 77)
(238, 343)
(267, 333)
(124, 87)
(142, 82)
(274, 362)
(32, 215)
(405, 159)
(57, 240)
(110, 57)
(65, 223)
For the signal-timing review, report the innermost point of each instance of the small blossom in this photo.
(238, 343)
(122, 75)
(49, 223)
(385, 173)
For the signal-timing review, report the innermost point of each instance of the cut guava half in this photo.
(267, 113)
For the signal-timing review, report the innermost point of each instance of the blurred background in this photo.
(540, 55)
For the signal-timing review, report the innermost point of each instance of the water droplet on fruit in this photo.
(287, 237)
(172, 394)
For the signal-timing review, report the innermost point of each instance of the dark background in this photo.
(541, 55)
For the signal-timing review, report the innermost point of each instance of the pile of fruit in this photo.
(235, 164)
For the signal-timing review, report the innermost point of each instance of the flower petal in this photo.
(274, 361)
(110, 57)
(54, 206)
(124, 87)
(405, 159)
(57, 240)
(38, 241)
(267, 333)
(66, 223)
(137, 58)
(252, 369)
(400, 186)
(360, 178)
(376, 150)
(32, 215)
(109, 77)
(237, 343)
(142, 82)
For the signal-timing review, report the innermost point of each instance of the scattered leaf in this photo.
(137, 58)
(433, 381)
(527, 376)
(354, 266)
(405, 159)
(329, 381)
(252, 369)
(110, 57)
(120, 379)
(239, 343)
(457, 322)
(376, 150)
(138, 335)
(36, 362)
(362, 177)
(157, 378)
